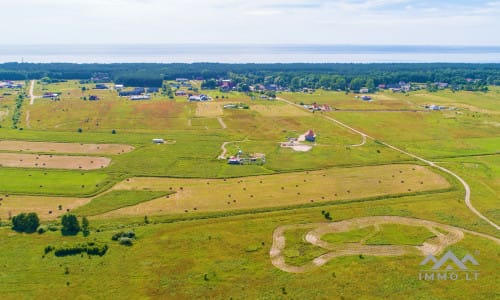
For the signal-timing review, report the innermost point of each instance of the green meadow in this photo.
(192, 242)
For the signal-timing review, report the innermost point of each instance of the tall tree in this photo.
(85, 226)
(70, 225)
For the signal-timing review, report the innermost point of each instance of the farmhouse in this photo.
(101, 86)
(119, 87)
(364, 90)
(135, 92)
(198, 98)
(180, 93)
(317, 107)
(50, 95)
(242, 158)
(140, 97)
(310, 136)
(10, 85)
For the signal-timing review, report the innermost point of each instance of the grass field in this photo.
(51, 182)
(116, 200)
(168, 261)
(393, 234)
(209, 229)
(195, 195)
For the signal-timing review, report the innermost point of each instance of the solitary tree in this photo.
(70, 225)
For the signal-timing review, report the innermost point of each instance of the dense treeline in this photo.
(335, 76)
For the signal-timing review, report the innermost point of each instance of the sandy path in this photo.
(432, 246)
(362, 143)
(224, 150)
(28, 125)
(221, 122)
(432, 164)
(32, 97)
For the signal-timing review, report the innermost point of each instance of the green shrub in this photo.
(125, 241)
(25, 222)
(128, 234)
(89, 248)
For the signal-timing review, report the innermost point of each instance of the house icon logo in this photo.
(449, 267)
(450, 261)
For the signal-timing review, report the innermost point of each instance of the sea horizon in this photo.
(247, 53)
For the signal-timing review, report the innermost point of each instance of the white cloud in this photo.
(242, 21)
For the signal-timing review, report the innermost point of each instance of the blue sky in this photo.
(400, 22)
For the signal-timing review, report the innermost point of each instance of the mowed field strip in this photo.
(209, 109)
(278, 110)
(15, 160)
(46, 207)
(208, 195)
(49, 147)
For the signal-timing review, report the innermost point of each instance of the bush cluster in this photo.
(89, 248)
(124, 238)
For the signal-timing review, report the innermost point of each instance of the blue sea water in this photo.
(189, 53)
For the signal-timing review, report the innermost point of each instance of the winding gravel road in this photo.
(430, 163)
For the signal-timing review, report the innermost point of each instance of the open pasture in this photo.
(47, 147)
(486, 103)
(209, 109)
(342, 101)
(203, 195)
(47, 208)
(116, 199)
(221, 258)
(418, 127)
(107, 114)
(15, 160)
(278, 110)
(51, 182)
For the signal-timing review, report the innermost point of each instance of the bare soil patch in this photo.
(20, 146)
(53, 161)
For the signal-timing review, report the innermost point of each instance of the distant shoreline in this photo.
(239, 53)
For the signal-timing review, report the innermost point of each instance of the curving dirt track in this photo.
(432, 246)
(430, 163)
(224, 150)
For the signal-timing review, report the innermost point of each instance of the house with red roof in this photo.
(310, 136)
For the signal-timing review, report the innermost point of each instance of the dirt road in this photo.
(432, 164)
